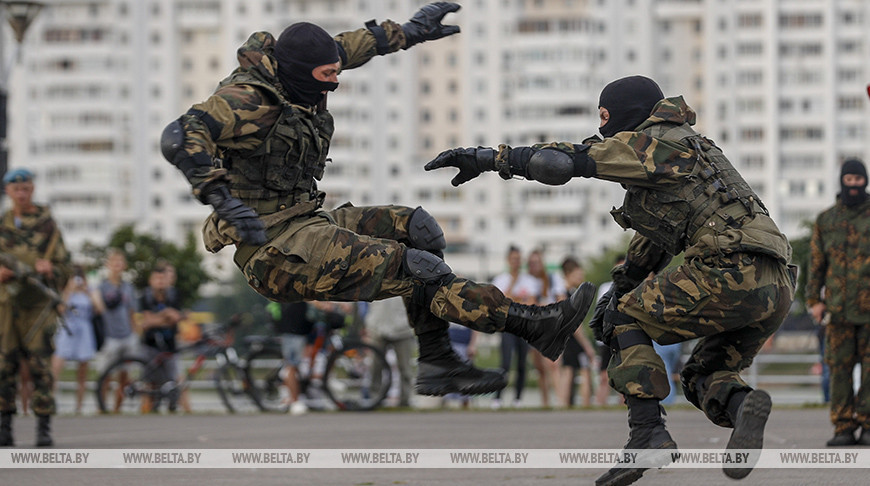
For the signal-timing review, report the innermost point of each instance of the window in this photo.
(752, 134)
(749, 20)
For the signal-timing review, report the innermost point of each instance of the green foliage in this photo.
(800, 256)
(143, 251)
(241, 301)
(598, 268)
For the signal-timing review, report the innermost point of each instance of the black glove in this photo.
(597, 321)
(471, 162)
(426, 25)
(239, 216)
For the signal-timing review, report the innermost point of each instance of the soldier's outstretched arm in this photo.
(553, 165)
(359, 46)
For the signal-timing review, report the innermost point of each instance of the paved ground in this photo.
(800, 428)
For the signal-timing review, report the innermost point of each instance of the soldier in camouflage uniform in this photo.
(34, 265)
(255, 151)
(839, 264)
(682, 195)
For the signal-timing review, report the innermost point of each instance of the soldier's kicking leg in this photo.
(374, 264)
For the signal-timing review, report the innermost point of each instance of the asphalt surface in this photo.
(798, 428)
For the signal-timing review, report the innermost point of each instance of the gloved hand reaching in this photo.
(471, 162)
(426, 25)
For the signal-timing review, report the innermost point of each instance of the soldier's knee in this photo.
(429, 273)
(425, 233)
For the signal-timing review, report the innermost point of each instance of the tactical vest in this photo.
(713, 196)
(284, 168)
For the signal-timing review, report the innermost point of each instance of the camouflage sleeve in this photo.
(818, 265)
(635, 158)
(234, 117)
(360, 45)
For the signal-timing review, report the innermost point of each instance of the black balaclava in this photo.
(853, 166)
(301, 48)
(630, 101)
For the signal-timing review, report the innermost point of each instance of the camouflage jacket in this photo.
(644, 163)
(840, 262)
(239, 116)
(36, 237)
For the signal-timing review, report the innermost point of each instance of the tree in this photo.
(143, 251)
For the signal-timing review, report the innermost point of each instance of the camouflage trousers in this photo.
(15, 322)
(357, 254)
(847, 344)
(732, 303)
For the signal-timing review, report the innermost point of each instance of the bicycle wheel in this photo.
(234, 390)
(263, 370)
(357, 377)
(130, 386)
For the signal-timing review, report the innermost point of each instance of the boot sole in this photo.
(439, 387)
(626, 476)
(556, 347)
(749, 430)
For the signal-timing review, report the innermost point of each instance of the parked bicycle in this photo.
(134, 384)
(354, 375)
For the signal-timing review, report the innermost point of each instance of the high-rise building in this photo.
(778, 84)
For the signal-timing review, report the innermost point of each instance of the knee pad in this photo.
(429, 273)
(424, 232)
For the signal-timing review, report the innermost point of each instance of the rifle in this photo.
(54, 299)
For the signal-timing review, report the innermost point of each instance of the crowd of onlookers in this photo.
(105, 320)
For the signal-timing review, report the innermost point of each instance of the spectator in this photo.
(293, 327)
(160, 318)
(521, 288)
(387, 327)
(579, 353)
(35, 265)
(76, 341)
(550, 289)
(119, 299)
(839, 264)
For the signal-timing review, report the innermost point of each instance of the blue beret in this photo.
(18, 175)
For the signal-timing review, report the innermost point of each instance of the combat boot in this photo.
(749, 421)
(43, 431)
(649, 443)
(6, 430)
(864, 438)
(846, 438)
(441, 371)
(547, 328)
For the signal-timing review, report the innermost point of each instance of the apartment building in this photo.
(779, 84)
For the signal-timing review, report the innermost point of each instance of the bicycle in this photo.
(141, 385)
(354, 375)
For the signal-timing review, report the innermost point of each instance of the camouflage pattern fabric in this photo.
(348, 254)
(352, 254)
(734, 304)
(22, 305)
(840, 262)
(845, 345)
(839, 265)
(240, 115)
(733, 291)
(16, 322)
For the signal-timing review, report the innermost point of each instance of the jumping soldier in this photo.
(255, 151)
